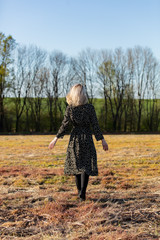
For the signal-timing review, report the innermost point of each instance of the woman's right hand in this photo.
(105, 145)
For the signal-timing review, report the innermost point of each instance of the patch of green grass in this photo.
(53, 179)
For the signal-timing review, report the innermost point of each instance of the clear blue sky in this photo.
(73, 25)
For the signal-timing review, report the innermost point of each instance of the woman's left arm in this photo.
(95, 125)
(105, 145)
(97, 132)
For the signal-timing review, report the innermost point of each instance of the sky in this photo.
(74, 25)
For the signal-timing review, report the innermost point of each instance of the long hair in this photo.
(77, 95)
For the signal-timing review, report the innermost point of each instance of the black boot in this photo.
(84, 183)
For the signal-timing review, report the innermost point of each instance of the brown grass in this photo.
(37, 201)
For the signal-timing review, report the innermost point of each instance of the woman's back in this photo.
(80, 115)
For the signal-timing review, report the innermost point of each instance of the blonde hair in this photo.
(77, 95)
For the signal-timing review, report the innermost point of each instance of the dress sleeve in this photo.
(65, 123)
(94, 123)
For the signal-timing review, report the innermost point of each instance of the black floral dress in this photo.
(81, 152)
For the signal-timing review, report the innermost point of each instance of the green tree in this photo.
(7, 44)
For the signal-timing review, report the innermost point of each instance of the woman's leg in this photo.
(84, 183)
(78, 182)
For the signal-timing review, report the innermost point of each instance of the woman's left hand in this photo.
(53, 143)
(105, 145)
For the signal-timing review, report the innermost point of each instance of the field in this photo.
(37, 201)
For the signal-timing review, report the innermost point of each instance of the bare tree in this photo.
(129, 99)
(69, 77)
(85, 68)
(152, 91)
(54, 85)
(120, 84)
(20, 84)
(105, 73)
(112, 74)
(37, 58)
(140, 83)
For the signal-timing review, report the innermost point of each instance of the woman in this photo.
(81, 159)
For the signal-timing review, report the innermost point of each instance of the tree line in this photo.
(123, 85)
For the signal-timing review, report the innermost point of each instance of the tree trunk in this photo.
(139, 115)
(1, 115)
(17, 124)
(51, 113)
(106, 112)
(55, 113)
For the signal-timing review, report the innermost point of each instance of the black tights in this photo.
(81, 183)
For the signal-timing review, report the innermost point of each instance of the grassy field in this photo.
(37, 201)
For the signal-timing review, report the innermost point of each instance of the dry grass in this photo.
(37, 201)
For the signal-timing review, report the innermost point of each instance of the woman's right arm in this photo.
(53, 143)
(62, 130)
(65, 123)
